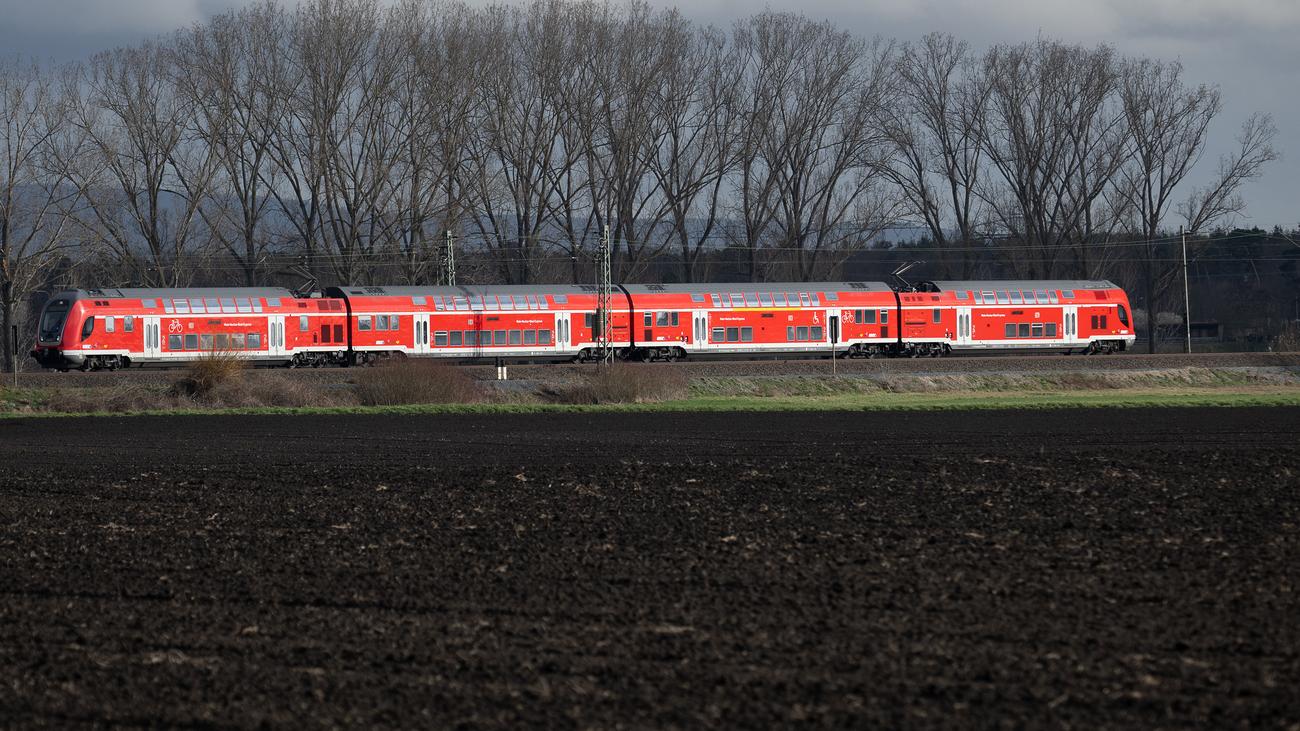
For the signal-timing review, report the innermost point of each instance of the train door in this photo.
(152, 338)
(275, 335)
(700, 333)
(1070, 324)
(421, 339)
(563, 337)
(963, 326)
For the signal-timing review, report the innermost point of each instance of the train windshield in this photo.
(52, 321)
(1123, 315)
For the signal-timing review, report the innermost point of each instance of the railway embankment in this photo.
(741, 385)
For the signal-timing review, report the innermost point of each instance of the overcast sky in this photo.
(1248, 48)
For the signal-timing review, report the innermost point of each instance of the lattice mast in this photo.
(605, 290)
(449, 260)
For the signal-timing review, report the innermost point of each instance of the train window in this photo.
(1051, 330)
(697, 298)
(662, 320)
(1003, 297)
(801, 333)
(817, 333)
(869, 317)
(149, 304)
(394, 322)
(936, 316)
(440, 339)
(243, 305)
(363, 322)
(815, 301)
(765, 299)
(1051, 297)
(227, 305)
(746, 334)
(507, 302)
(1011, 330)
(716, 301)
(1015, 297)
(525, 302)
(1103, 322)
(205, 342)
(128, 323)
(167, 306)
(110, 324)
(236, 341)
(589, 320)
(719, 335)
(778, 299)
(1123, 314)
(979, 298)
(1037, 330)
(1024, 330)
(530, 337)
(498, 337)
(737, 299)
(733, 335)
(789, 333)
(751, 300)
(649, 318)
(381, 322)
(884, 317)
(831, 296)
(254, 341)
(1041, 296)
(197, 306)
(962, 295)
(453, 337)
(174, 342)
(192, 341)
(338, 333)
(418, 301)
(458, 303)
(437, 302)
(987, 297)
(803, 299)
(182, 306)
(675, 320)
(257, 304)
(1067, 293)
(543, 337)
(1094, 322)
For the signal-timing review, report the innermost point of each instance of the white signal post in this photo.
(1187, 297)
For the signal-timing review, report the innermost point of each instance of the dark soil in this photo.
(1079, 569)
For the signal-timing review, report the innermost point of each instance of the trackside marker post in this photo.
(14, 339)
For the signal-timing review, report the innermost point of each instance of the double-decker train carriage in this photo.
(114, 328)
(1090, 316)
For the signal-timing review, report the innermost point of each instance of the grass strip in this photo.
(1118, 398)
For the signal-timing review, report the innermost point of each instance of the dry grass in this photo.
(270, 388)
(1288, 341)
(210, 372)
(408, 381)
(627, 383)
(115, 399)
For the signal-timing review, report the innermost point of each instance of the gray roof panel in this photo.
(996, 284)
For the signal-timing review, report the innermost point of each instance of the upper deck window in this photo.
(182, 306)
(228, 305)
(962, 295)
(1051, 297)
(1003, 298)
(1015, 297)
(197, 306)
(697, 299)
(1041, 296)
(1067, 293)
(751, 300)
(765, 299)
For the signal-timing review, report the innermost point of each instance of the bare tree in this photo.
(938, 155)
(222, 71)
(34, 197)
(1055, 135)
(695, 99)
(143, 177)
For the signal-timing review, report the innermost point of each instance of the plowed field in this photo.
(1077, 569)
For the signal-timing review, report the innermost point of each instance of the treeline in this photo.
(348, 141)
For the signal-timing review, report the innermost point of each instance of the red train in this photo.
(117, 328)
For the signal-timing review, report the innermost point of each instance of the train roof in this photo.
(994, 284)
(747, 287)
(435, 291)
(160, 292)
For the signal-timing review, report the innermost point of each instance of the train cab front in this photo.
(54, 346)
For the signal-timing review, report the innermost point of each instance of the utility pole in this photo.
(450, 256)
(605, 289)
(1187, 297)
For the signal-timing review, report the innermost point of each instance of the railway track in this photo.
(739, 368)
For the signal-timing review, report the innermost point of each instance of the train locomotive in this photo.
(94, 329)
